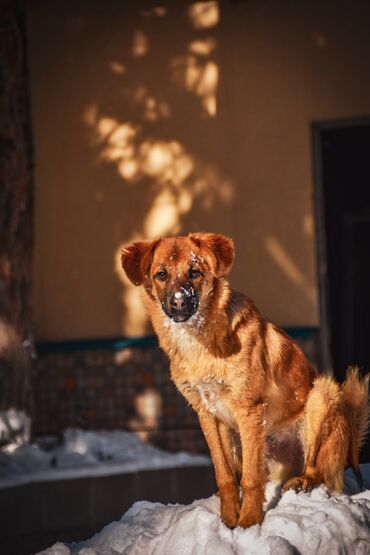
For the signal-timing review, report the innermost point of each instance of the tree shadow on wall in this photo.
(153, 127)
(146, 114)
(145, 88)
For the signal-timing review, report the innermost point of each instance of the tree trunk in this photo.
(16, 214)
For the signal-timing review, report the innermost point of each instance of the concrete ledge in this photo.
(36, 515)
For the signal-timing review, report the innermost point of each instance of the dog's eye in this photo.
(194, 273)
(162, 275)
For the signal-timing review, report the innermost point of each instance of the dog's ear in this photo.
(136, 260)
(222, 248)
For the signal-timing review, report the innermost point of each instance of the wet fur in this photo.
(263, 407)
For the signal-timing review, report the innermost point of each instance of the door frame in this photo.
(317, 128)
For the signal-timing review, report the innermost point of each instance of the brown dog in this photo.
(263, 408)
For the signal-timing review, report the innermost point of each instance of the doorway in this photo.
(342, 205)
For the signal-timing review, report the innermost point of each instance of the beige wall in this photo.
(182, 117)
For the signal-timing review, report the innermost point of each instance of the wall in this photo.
(160, 118)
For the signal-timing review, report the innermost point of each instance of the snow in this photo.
(85, 453)
(15, 426)
(296, 523)
(306, 523)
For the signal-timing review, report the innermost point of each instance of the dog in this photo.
(264, 409)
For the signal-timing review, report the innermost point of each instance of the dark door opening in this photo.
(342, 166)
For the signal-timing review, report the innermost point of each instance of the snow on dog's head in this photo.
(180, 273)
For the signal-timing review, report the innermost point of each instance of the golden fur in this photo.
(261, 404)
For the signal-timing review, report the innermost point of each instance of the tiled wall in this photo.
(114, 389)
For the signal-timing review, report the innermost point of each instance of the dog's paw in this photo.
(230, 516)
(251, 512)
(250, 516)
(302, 483)
(230, 506)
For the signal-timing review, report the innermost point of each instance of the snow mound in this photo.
(297, 523)
(87, 453)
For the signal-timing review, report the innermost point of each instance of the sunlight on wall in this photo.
(117, 68)
(166, 161)
(157, 11)
(163, 215)
(198, 73)
(177, 177)
(204, 15)
(152, 109)
(174, 178)
(289, 268)
(134, 322)
(140, 45)
(148, 409)
(202, 47)
(178, 180)
(123, 144)
(308, 225)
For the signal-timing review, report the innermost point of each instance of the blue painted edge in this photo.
(302, 332)
(118, 343)
(115, 343)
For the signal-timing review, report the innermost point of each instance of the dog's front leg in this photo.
(225, 479)
(251, 428)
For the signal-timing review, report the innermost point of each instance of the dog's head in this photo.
(179, 272)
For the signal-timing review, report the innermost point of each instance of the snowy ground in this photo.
(86, 454)
(306, 524)
(314, 523)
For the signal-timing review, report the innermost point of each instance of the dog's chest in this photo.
(191, 356)
(212, 394)
(183, 338)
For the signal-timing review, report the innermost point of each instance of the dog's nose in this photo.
(180, 305)
(178, 302)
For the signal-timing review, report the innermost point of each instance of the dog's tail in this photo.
(356, 399)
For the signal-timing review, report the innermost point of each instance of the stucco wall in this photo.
(178, 117)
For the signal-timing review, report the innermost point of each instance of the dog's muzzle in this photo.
(181, 305)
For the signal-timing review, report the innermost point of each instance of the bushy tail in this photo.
(356, 399)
